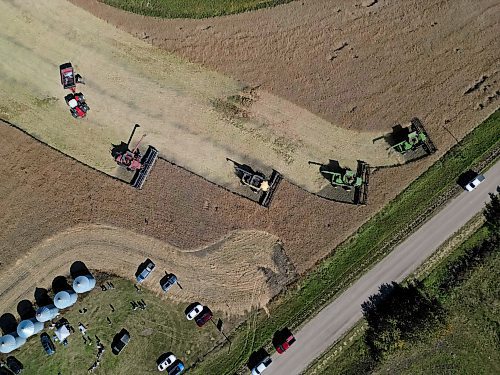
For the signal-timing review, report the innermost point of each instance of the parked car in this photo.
(204, 316)
(148, 267)
(261, 366)
(120, 340)
(165, 361)
(168, 281)
(193, 313)
(47, 344)
(285, 344)
(176, 368)
(14, 365)
(475, 182)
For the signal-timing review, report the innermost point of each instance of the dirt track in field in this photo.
(232, 275)
(183, 108)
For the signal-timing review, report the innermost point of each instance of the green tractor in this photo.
(347, 181)
(414, 139)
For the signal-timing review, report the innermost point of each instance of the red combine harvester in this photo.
(134, 161)
(77, 105)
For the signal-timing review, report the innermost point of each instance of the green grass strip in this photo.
(191, 8)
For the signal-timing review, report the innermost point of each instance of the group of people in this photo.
(100, 351)
(138, 305)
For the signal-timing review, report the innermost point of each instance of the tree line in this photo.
(404, 313)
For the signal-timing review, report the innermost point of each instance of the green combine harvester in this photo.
(348, 180)
(414, 139)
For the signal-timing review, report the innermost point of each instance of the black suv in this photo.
(47, 344)
(120, 340)
(15, 366)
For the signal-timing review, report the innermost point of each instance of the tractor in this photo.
(77, 105)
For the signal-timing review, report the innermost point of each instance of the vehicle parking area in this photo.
(156, 328)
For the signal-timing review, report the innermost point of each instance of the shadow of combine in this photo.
(398, 134)
(117, 150)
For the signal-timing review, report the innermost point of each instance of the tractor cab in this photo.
(255, 181)
(77, 105)
(350, 178)
(347, 179)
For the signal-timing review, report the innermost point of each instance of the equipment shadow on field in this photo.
(78, 268)
(256, 357)
(25, 309)
(117, 150)
(8, 323)
(42, 297)
(59, 284)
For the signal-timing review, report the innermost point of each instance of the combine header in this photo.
(133, 160)
(261, 186)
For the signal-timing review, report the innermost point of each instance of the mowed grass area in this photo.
(467, 344)
(353, 258)
(161, 327)
(191, 8)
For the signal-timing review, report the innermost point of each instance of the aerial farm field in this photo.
(273, 88)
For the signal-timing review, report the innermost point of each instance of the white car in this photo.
(476, 181)
(261, 366)
(170, 358)
(194, 312)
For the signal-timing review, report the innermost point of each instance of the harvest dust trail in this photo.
(129, 81)
(221, 275)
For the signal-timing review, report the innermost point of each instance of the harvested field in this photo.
(194, 117)
(401, 60)
(233, 275)
(363, 65)
(45, 193)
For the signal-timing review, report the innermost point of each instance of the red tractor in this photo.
(75, 100)
(77, 105)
